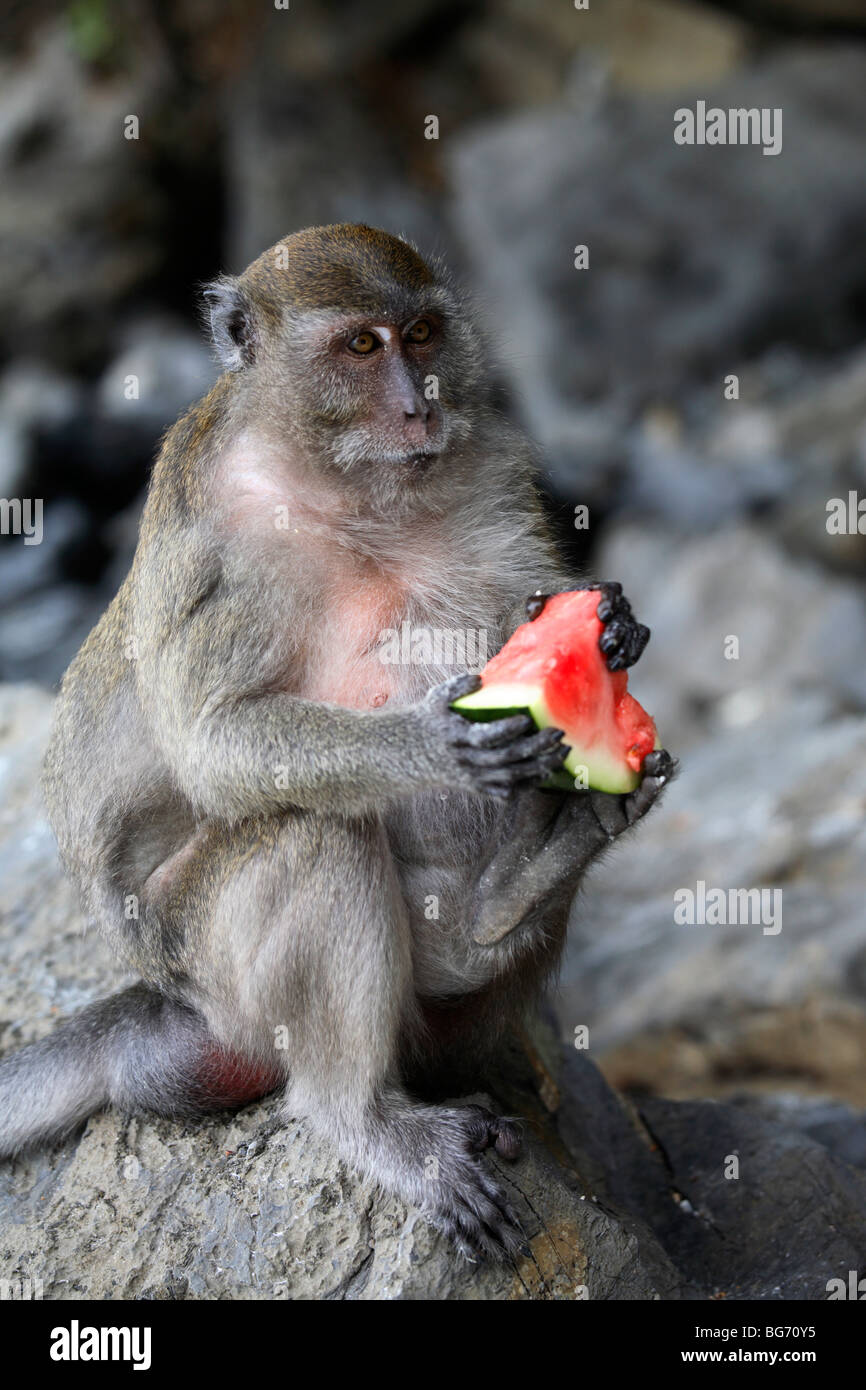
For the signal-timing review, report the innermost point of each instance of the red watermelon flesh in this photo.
(554, 668)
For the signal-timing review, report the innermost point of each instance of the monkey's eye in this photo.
(364, 343)
(420, 332)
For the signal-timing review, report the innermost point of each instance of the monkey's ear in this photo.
(231, 323)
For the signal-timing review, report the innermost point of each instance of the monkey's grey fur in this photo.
(260, 813)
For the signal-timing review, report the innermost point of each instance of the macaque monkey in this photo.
(287, 837)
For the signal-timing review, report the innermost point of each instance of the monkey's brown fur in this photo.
(292, 842)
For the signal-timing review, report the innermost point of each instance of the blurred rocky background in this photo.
(555, 131)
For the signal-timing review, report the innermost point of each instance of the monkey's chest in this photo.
(350, 662)
(376, 643)
(353, 679)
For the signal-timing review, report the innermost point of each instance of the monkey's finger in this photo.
(494, 734)
(441, 696)
(510, 779)
(462, 1225)
(611, 597)
(479, 1127)
(614, 635)
(504, 780)
(622, 642)
(501, 793)
(514, 752)
(637, 803)
(634, 644)
(534, 605)
(450, 1228)
(502, 1230)
(613, 605)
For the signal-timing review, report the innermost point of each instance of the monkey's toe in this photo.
(659, 763)
(486, 1130)
(475, 1214)
(658, 769)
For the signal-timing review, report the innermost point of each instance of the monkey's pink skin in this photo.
(554, 668)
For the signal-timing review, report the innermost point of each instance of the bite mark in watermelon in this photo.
(553, 669)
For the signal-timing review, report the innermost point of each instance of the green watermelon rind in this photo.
(498, 701)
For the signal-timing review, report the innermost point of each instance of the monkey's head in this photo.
(359, 350)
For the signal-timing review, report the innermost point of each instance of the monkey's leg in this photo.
(322, 955)
(137, 1050)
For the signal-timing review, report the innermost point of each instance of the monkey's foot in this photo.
(464, 1201)
(616, 813)
(624, 638)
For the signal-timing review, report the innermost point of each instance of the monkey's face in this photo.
(384, 393)
(358, 353)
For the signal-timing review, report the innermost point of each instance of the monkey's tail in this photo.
(138, 1050)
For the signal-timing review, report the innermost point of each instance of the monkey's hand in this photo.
(494, 758)
(623, 638)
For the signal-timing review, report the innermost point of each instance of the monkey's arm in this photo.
(547, 846)
(238, 745)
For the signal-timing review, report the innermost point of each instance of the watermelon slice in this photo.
(553, 669)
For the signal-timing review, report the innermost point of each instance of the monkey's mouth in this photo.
(421, 459)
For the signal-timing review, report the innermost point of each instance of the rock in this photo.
(664, 306)
(297, 157)
(734, 1234)
(42, 631)
(838, 1127)
(28, 569)
(792, 440)
(31, 394)
(171, 366)
(821, 13)
(84, 452)
(617, 1202)
(66, 165)
(738, 627)
(659, 45)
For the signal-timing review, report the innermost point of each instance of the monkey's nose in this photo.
(418, 412)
